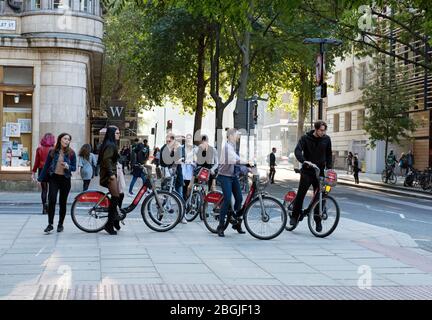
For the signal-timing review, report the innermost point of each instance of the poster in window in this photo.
(25, 125)
(13, 129)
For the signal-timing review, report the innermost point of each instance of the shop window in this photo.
(16, 96)
(16, 132)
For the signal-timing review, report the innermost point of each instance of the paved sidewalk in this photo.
(358, 261)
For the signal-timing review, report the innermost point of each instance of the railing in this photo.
(91, 7)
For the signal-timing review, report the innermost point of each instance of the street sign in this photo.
(318, 93)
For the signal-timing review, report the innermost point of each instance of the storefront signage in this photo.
(9, 25)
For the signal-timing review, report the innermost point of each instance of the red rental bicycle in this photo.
(264, 216)
(161, 211)
(322, 210)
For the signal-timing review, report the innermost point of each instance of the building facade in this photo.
(345, 115)
(50, 76)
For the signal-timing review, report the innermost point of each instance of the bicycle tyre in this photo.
(74, 214)
(196, 212)
(311, 218)
(145, 210)
(278, 230)
(393, 178)
(210, 219)
(383, 176)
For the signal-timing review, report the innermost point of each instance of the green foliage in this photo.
(387, 102)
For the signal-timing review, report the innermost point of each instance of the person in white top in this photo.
(189, 164)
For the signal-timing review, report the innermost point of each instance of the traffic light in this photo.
(169, 124)
(152, 131)
(254, 106)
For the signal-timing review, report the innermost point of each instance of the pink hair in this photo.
(48, 140)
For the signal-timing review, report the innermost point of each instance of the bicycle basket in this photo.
(262, 179)
(203, 175)
(330, 178)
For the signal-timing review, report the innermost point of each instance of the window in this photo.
(84, 5)
(337, 82)
(16, 118)
(62, 4)
(336, 122)
(362, 74)
(360, 119)
(347, 121)
(349, 79)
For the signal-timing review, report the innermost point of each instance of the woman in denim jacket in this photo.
(57, 171)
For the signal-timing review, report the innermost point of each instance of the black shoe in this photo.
(60, 228)
(293, 221)
(109, 228)
(318, 226)
(220, 231)
(117, 225)
(49, 228)
(238, 227)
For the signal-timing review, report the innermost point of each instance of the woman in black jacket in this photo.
(108, 157)
(57, 171)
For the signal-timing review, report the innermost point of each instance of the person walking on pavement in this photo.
(313, 148)
(272, 157)
(356, 169)
(108, 158)
(46, 143)
(349, 160)
(229, 180)
(139, 157)
(57, 170)
(403, 164)
(86, 162)
(410, 161)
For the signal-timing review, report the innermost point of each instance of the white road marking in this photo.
(402, 216)
(394, 201)
(415, 220)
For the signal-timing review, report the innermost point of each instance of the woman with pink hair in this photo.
(46, 143)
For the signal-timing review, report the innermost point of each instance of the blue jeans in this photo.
(230, 186)
(134, 179)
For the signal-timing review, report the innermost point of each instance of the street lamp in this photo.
(320, 67)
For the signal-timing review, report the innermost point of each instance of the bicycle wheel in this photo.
(329, 217)
(195, 206)
(288, 207)
(383, 176)
(392, 178)
(167, 217)
(211, 212)
(86, 214)
(265, 219)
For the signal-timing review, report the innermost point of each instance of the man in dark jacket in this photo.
(313, 148)
(272, 163)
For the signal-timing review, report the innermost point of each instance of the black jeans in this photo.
(306, 180)
(272, 173)
(86, 184)
(356, 177)
(58, 183)
(44, 192)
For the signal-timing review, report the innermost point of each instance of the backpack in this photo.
(142, 155)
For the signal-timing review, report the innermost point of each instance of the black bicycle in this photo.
(388, 175)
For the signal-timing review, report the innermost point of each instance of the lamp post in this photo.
(320, 67)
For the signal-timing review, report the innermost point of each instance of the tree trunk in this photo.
(118, 85)
(200, 89)
(219, 134)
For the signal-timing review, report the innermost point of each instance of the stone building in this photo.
(50, 77)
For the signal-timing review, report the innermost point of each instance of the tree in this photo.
(387, 100)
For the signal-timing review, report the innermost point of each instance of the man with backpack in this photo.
(139, 157)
